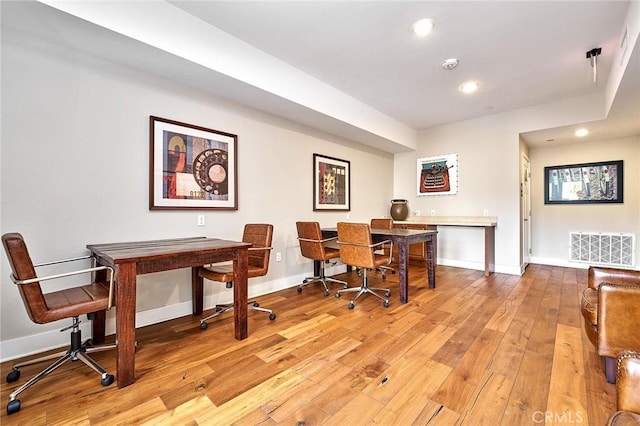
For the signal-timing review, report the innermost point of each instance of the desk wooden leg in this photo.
(197, 291)
(403, 263)
(431, 263)
(240, 293)
(98, 323)
(126, 324)
(489, 250)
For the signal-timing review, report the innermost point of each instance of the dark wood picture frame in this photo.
(191, 167)
(584, 183)
(331, 184)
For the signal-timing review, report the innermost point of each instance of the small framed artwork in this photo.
(584, 183)
(331, 184)
(437, 175)
(191, 167)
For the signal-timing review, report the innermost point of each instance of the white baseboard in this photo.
(479, 266)
(558, 262)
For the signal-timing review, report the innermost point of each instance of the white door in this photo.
(525, 211)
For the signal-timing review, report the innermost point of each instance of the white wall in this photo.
(553, 223)
(75, 150)
(487, 179)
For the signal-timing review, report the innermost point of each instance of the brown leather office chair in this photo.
(43, 308)
(258, 234)
(384, 223)
(313, 246)
(628, 390)
(357, 249)
(610, 308)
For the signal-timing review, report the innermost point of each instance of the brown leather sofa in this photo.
(611, 311)
(628, 387)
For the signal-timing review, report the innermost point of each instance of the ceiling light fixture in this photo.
(422, 27)
(581, 133)
(450, 63)
(593, 54)
(469, 87)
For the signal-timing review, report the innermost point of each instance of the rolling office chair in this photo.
(357, 249)
(313, 246)
(384, 223)
(43, 308)
(258, 234)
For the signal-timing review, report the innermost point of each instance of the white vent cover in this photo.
(602, 249)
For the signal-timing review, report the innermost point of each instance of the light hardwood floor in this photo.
(502, 350)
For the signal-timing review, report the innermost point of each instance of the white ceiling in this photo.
(523, 53)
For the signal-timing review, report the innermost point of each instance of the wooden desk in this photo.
(402, 238)
(489, 224)
(144, 257)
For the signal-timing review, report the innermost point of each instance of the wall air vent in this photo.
(615, 250)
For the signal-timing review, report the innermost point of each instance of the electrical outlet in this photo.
(485, 212)
(200, 220)
(347, 216)
(416, 212)
(278, 257)
(433, 212)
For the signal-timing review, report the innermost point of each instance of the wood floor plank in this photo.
(466, 377)
(567, 394)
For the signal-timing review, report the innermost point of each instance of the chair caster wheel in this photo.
(387, 293)
(325, 293)
(299, 289)
(351, 305)
(393, 272)
(386, 304)
(13, 376)
(203, 325)
(272, 316)
(107, 380)
(256, 304)
(13, 406)
(337, 295)
(218, 308)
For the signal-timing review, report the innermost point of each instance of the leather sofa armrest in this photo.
(618, 319)
(597, 276)
(628, 381)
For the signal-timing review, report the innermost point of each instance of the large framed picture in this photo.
(191, 167)
(331, 184)
(584, 183)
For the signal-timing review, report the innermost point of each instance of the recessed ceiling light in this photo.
(422, 27)
(581, 133)
(450, 63)
(469, 87)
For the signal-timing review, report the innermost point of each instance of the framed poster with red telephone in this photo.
(191, 167)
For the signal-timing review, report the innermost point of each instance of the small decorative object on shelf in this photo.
(399, 209)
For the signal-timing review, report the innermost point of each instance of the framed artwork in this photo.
(331, 184)
(584, 183)
(437, 175)
(191, 167)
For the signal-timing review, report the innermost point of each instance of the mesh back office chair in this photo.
(258, 234)
(313, 246)
(384, 223)
(357, 249)
(43, 308)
